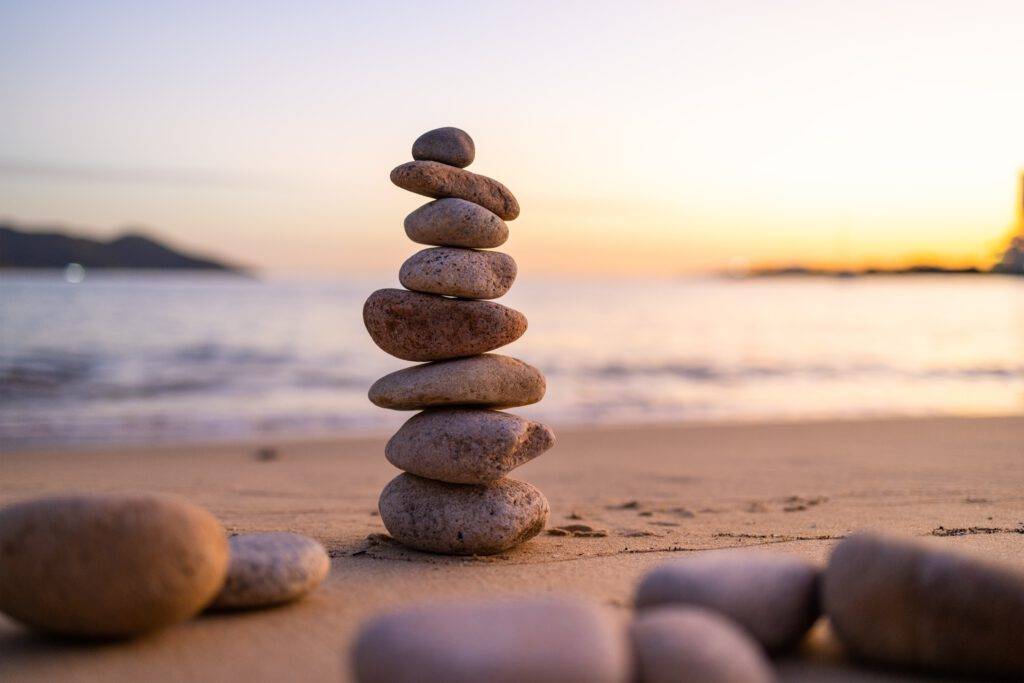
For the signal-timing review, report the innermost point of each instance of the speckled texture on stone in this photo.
(464, 273)
(108, 566)
(898, 602)
(541, 640)
(466, 446)
(695, 645)
(431, 179)
(774, 596)
(456, 223)
(423, 327)
(270, 569)
(490, 380)
(461, 519)
(448, 145)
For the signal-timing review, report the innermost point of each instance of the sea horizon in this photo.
(135, 357)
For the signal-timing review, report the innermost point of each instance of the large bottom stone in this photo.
(462, 519)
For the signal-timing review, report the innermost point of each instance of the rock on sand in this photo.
(461, 519)
(108, 566)
(541, 640)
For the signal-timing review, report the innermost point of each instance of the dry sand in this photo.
(657, 492)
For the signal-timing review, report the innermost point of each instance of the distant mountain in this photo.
(54, 249)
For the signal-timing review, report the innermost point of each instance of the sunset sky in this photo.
(640, 138)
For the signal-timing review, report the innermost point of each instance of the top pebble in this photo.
(450, 146)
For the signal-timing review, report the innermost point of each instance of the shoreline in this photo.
(656, 493)
(568, 427)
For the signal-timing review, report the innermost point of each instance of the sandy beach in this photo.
(656, 492)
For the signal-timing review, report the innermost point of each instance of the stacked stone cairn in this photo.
(454, 496)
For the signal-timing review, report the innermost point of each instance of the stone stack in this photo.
(454, 496)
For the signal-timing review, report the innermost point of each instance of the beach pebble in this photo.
(490, 380)
(448, 145)
(466, 446)
(461, 519)
(456, 223)
(465, 273)
(541, 640)
(108, 566)
(419, 327)
(774, 596)
(693, 645)
(433, 179)
(900, 602)
(270, 569)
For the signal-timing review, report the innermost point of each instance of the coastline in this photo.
(658, 491)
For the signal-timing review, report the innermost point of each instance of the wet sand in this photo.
(646, 494)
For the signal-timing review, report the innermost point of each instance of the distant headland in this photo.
(47, 247)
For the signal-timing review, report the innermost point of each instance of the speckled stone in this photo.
(456, 223)
(461, 519)
(694, 645)
(448, 145)
(466, 446)
(423, 327)
(108, 566)
(432, 179)
(270, 569)
(541, 640)
(900, 602)
(774, 596)
(490, 380)
(464, 273)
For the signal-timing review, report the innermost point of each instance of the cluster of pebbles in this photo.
(115, 566)
(454, 496)
(721, 617)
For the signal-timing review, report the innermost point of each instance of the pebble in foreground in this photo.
(271, 569)
(432, 179)
(108, 566)
(530, 639)
(425, 327)
(693, 645)
(462, 519)
(456, 223)
(899, 602)
(448, 145)
(774, 596)
(464, 273)
(488, 381)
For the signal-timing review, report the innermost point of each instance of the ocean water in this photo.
(152, 357)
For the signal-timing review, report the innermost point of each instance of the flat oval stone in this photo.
(461, 519)
(774, 596)
(466, 446)
(448, 145)
(456, 223)
(270, 569)
(542, 640)
(899, 602)
(694, 645)
(415, 326)
(433, 179)
(490, 380)
(464, 273)
(108, 566)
